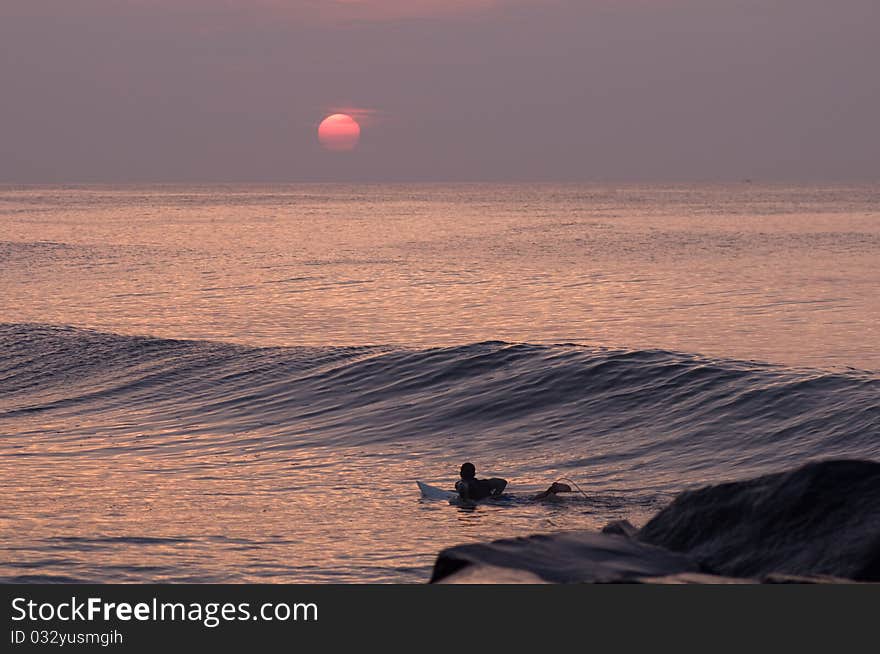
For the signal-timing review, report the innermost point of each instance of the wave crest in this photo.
(582, 404)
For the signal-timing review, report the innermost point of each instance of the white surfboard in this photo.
(433, 493)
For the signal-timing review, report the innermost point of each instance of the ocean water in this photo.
(242, 383)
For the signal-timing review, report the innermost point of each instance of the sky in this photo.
(445, 90)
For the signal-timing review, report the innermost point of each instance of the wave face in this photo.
(589, 406)
(85, 414)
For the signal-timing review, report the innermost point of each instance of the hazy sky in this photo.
(233, 90)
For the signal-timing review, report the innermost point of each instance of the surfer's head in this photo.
(468, 471)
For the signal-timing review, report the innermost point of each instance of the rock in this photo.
(565, 557)
(621, 528)
(818, 521)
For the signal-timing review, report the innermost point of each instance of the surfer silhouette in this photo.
(471, 488)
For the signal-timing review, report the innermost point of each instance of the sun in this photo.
(339, 133)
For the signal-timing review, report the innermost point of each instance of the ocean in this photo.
(243, 383)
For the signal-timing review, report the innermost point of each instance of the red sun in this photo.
(339, 133)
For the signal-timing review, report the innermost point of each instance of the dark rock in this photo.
(820, 520)
(620, 528)
(566, 557)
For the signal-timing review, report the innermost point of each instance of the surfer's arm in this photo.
(555, 487)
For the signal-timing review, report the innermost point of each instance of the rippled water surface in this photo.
(782, 274)
(244, 383)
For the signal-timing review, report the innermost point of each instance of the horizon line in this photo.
(374, 182)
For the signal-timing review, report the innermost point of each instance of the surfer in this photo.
(471, 488)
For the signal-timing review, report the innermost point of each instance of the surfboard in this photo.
(433, 493)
